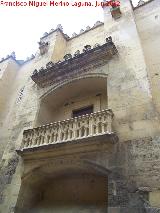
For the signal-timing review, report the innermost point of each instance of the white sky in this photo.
(22, 27)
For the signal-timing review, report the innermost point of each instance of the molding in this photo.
(78, 64)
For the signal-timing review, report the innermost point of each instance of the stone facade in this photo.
(106, 161)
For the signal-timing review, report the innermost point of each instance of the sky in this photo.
(22, 27)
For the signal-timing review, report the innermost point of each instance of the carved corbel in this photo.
(87, 48)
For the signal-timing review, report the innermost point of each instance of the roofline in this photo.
(85, 31)
(58, 29)
(10, 57)
(147, 2)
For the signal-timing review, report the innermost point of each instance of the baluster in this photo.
(109, 123)
(45, 135)
(104, 123)
(45, 138)
(41, 141)
(95, 125)
(25, 140)
(80, 128)
(72, 133)
(84, 126)
(31, 138)
(62, 133)
(28, 138)
(56, 135)
(59, 131)
(75, 128)
(71, 130)
(26, 143)
(91, 125)
(67, 130)
(40, 138)
(51, 134)
(87, 126)
(48, 133)
(65, 135)
(103, 128)
(98, 124)
(36, 135)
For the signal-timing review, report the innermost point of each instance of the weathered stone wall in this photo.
(148, 25)
(8, 71)
(95, 35)
(131, 96)
(129, 92)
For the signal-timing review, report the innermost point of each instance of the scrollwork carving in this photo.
(77, 53)
(67, 57)
(87, 48)
(49, 64)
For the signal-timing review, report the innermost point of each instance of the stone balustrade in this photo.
(94, 124)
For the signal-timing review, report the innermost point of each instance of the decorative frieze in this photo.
(78, 63)
(86, 126)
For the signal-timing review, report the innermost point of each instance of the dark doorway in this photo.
(82, 111)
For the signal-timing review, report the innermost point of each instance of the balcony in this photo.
(78, 129)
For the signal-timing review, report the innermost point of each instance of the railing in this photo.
(94, 124)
